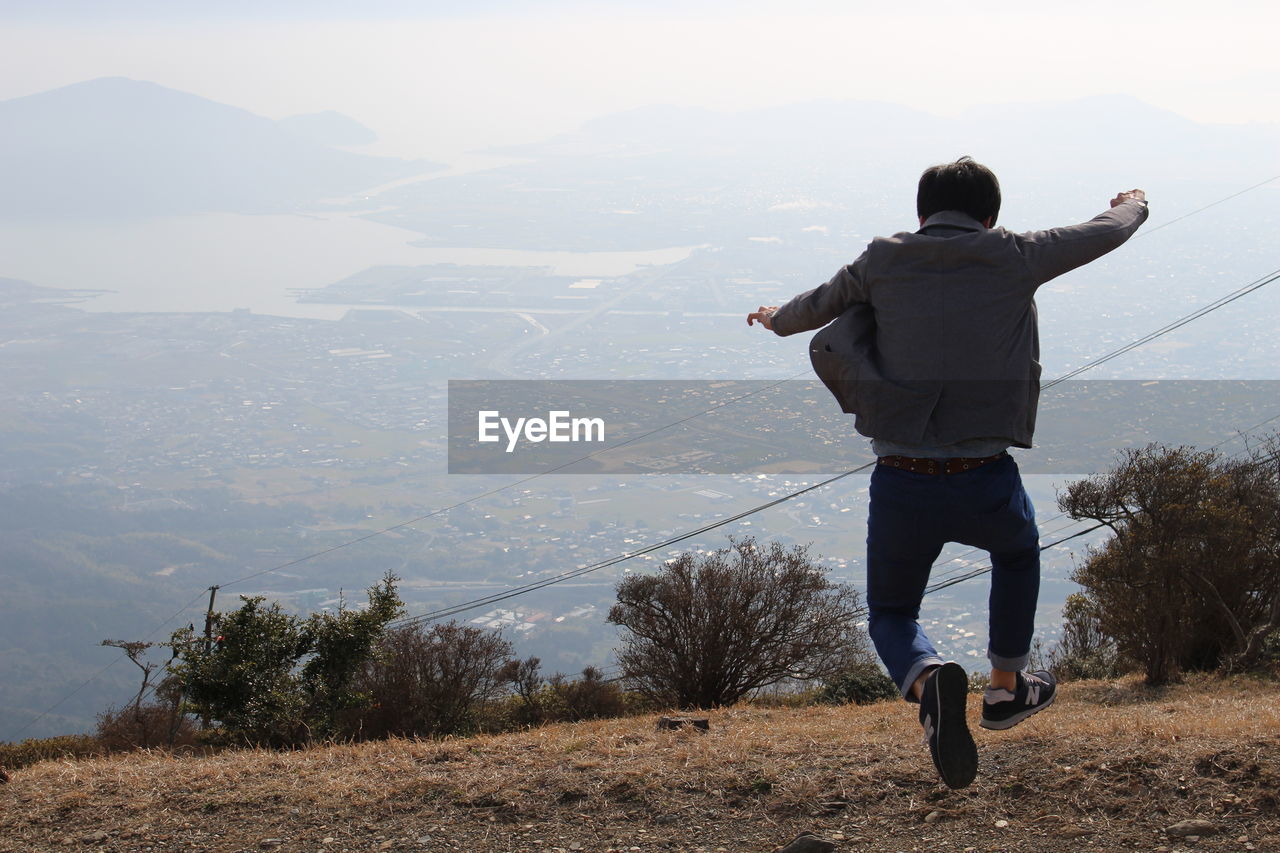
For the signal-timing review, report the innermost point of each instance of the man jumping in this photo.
(936, 350)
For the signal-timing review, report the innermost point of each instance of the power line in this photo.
(100, 672)
(932, 588)
(984, 569)
(564, 576)
(1256, 284)
(612, 561)
(965, 564)
(431, 514)
(1164, 330)
(1245, 433)
(1151, 231)
(513, 485)
(1195, 315)
(1244, 291)
(445, 612)
(1241, 434)
(1051, 519)
(514, 592)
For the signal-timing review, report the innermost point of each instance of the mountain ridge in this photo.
(115, 147)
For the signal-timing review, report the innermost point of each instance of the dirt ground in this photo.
(1112, 766)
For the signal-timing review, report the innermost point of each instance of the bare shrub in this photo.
(1085, 651)
(590, 697)
(431, 682)
(144, 726)
(707, 630)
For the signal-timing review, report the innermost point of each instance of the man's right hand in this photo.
(1129, 195)
(763, 316)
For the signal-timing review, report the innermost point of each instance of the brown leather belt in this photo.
(958, 465)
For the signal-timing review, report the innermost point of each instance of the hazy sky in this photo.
(433, 80)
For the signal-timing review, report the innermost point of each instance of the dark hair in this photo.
(965, 185)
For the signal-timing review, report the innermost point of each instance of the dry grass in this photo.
(1107, 768)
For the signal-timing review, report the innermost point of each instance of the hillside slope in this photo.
(1111, 767)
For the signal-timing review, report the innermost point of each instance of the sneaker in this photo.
(942, 704)
(1004, 709)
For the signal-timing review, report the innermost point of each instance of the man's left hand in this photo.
(763, 316)
(1128, 195)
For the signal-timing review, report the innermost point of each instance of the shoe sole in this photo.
(1001, 725)
(956, 755)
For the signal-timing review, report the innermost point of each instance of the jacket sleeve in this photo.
(1051, 253)
(818, 307)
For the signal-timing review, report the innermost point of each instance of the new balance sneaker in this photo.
(942, 703)
(1004, 709)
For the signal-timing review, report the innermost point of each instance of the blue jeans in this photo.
(911, 517)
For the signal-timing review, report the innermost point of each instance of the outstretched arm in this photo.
(818, 307)
(1051, 253)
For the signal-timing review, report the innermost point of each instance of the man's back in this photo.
(952, 301)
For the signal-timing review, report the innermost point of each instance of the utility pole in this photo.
(208, 620)
(208, 639)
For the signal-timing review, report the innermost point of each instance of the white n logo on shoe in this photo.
(1033, 692)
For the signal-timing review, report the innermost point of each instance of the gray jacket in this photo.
(935, 338)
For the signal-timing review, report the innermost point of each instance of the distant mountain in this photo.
(669, 176)
(1116, 133)
(329, 128)
(784, 134)
(119, 147)
(15, 291)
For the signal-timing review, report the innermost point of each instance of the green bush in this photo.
(862, 684)
(274, 679)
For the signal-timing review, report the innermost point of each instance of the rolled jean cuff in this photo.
(1008, 664)
(914, 673)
